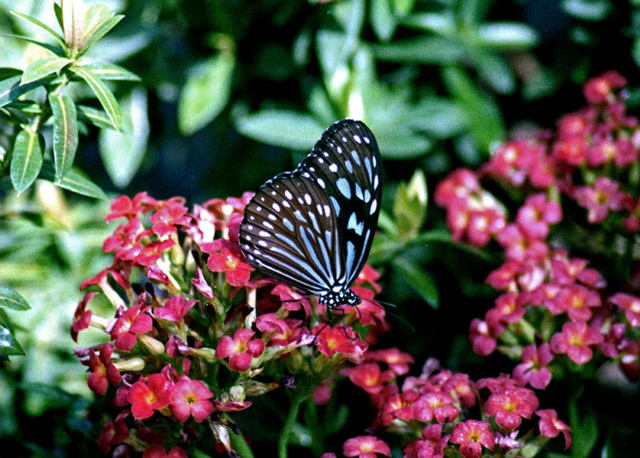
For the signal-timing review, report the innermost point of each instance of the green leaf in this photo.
(43, 67)
(423, 50)
(95, 15)
(106, 71)
(8, 72)
(438, 23)
(507, 36)
(27, 159)
(206, 92)
(43, 26)
(382, 19)
(401, 143)
(65, 133)
(496, 71)
(587, 10)
(439, 116)
(72, 181)
(22, 111)
(584, 425)
(54, 49)
(96, 117)
(100, 31)
(11, 89)
(403, 7)
(104, 95)
(420, 281)
(281, 128)
(10, 298)
(410, 206)
(485, 119)
(122, 152)
(9, 346)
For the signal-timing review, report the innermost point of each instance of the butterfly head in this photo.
(342, 297)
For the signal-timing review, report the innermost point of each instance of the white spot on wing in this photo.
(343, 187)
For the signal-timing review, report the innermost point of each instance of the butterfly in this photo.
(313, 227)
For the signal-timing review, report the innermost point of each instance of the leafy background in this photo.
(231, 92)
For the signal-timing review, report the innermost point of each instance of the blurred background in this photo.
(232, 92)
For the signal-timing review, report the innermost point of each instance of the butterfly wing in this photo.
(346, 165)
(313, 227)
(288, 232)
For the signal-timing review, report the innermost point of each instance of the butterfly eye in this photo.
(313, 227)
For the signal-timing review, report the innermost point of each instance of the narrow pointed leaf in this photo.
(9, 346)
(100, 31)
(43, 26)
(27, 159)
(288, 129)
(104, 95)
(9, 72)
(65, 133)
(43, 67)
(10, 298)
(106, 71)
(96, 117)
(11, 89)
(58, 51)
(72, 181)
(123, 152)
(206, 92)
(95, 15)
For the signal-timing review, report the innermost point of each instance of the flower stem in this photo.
(289, 426)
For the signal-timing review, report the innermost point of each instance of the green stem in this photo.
(283, 442)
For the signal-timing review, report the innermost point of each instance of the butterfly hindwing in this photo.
(313, 227)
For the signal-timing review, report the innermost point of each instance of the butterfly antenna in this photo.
(382, 305)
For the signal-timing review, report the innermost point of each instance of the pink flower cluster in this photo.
(441, 413)
(552, 303)
(191, 330)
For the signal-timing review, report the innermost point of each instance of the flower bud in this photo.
(154, 346)
(129, 365)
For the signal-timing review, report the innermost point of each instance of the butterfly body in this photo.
(313, 227)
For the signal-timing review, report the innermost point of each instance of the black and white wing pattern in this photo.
(313, 227)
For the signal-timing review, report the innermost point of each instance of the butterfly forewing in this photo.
(313, 227)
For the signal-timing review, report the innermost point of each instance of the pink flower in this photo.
(190, 397)
(603, 197)
(133, 321)
(158, 451)
(102, 370)
(537, 213)
(113, 433)
(510, 406)
(631, 306)
(397, 360)
(125, 207)
(82, 316)
(168, 217)
(472, 435)
(601, 89)
(339, 339)
(482, 337)
(226, 256)
(365, 447)
(240, 350)
(175, 309)
(148, 396)
(576, 340)
(533, 368)
(368, 376)
(550, 426)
